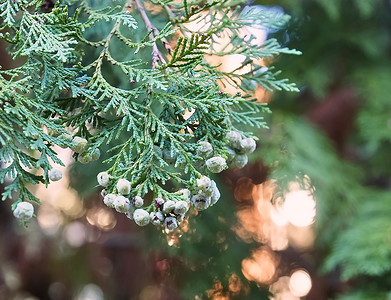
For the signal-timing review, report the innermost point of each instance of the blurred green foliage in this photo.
(345, 45)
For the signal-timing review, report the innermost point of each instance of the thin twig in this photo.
(156, 55)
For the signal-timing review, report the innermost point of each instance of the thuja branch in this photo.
(166, 126)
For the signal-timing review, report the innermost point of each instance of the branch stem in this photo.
(156, 55)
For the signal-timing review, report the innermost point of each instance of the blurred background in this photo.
(308, 218)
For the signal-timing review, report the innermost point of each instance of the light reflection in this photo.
(90, 292)
(256, 220)
(299, 208)
(261, 266)
(280, 290)
(75, 234)
(57, 199)
(234, 284)
(277, 215)
(48, 219)
(300, 283)
(216, 293)
(301, 237)
(102, 218)
(232, 62)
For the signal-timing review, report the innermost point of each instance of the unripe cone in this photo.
(24, 211)
(141, 217)
(216, 164)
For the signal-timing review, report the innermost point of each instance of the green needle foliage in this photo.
(102, 75)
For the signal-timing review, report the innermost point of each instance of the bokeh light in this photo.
(299, 207)
(300, 283)
(261, 266)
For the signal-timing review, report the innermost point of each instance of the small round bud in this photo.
(84, 158)
(230, 154)
(137, 201)
(95, 155)
(24, 211)
(79, 144)
(216, 164)
(109, 200)
(157, 218)
(181, 207)
(66, 136)
(209, 191)
(168, 206)
(170, 223)
(204, 149)
(103, 179)
(203, 183)
(240, 161)
(121, 204)
(158, 202)
(247, 145)
(215, 196)
(103, 193)
(55, 174)
(185, 194)
(200, 202)
(234, 139)
(141, 217)
(123, 186)
(53, 132)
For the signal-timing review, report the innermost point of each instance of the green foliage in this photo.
(345, 45)
(371, 256)
(106, 73)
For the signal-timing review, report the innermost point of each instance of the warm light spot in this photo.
(48, 219)
(234, 284)
(75, 234)
(150, 292)
(278, 240)
(301, 237)
(299, 208)
(101, 217)
(300, 283)
(280, 290)
(171, 241)
(261, 267)
(277, 215)
(216, 293)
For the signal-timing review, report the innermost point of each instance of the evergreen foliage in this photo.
(349, 48)
(101, 75)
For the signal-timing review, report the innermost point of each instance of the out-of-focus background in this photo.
(308, 218)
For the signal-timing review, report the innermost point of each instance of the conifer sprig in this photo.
(99, 76)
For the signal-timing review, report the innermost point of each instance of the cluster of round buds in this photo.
(170, 213)
(88, 156)
(238, 149)
(24, 211)
(131, 208)
(206, 193)
(79, 145)
(214, 164)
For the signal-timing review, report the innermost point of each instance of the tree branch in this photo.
(156, 55)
